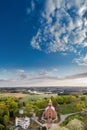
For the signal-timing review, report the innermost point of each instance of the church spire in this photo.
(50, 103)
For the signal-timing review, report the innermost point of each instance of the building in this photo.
(49, 114)
(22, 122)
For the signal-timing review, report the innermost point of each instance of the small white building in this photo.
(22, 122)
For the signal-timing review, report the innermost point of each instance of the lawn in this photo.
(35, 97)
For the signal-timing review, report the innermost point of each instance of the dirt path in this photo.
(17, 95)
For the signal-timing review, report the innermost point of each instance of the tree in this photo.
(28, 109)
(5, 120)
(1, 127)
(80, 106)
(60, 100)
(13, 107)
(75, 125)
(44, 128)
(8, 107)
(40, 103)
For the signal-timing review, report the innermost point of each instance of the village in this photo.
(49, 117)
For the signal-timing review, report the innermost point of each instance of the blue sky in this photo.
(43, 43)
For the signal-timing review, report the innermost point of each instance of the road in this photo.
(63, 117)
(16, 128)
(35, 119)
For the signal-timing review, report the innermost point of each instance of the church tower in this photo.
(49, 112)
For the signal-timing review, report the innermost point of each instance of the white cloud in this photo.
(31, 8)
(82, 61)
(20, 70)
(45, 75)
(85, 43)
(28, 10)
(63, 27)
(32, 5)
(76, 76)
(35, 41)
(82, 9)
(85, 22)
(52, 77)
(49, 8)
(55, 69)
(4, 80)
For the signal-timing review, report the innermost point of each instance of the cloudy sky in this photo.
(43, 43)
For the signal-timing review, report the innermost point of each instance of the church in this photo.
(49, 114)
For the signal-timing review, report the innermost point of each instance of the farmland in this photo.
(26, 97)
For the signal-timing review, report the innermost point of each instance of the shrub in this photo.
(75, 125)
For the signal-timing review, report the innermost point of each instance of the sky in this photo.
(43, 43)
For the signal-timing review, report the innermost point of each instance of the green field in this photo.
(36, 97)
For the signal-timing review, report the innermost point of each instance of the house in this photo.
(22, 122)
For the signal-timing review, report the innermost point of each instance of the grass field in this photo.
(36, 97)
(26, 97)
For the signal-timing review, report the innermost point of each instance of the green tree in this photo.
(80, 106)
(2, 127)
(28, 109)
(13, 107)
(75, 125)
(5, 120)
(44, 128)
(60, 100)
(40, 103)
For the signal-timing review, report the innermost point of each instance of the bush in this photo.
(75, 125)
(44, 128)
